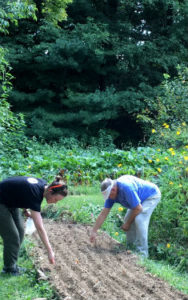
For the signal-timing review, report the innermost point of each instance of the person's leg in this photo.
(131, 233)
(141, 243)
(19, 222)
(11, 237)
(142, 223)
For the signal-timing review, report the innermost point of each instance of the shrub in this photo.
(166, 115)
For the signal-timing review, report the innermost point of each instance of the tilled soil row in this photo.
(104, 271)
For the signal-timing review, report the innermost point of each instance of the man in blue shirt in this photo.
(140, 197)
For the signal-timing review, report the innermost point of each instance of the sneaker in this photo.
(17, 271)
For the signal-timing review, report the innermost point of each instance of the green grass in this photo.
(26, 286)
(168, 273)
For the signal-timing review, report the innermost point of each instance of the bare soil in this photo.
(104, 271)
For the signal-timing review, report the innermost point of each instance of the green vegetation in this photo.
(86, 167)
(104, 61)
(27, 286)
(167, 272)
(109, 60)
(171, 110)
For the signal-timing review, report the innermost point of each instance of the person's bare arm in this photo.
(134, 213)
(100, 220)
(42, 233)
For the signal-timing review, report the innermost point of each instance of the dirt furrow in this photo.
(102, 270)
(105, 271)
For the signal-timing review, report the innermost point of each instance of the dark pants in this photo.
(12, 233)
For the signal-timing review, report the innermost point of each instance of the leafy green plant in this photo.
(166, 115)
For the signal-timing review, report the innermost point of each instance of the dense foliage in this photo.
(168, 124)
(11, 126)
(11, 12)
(168, 168)
(96, 69)
(80, 46)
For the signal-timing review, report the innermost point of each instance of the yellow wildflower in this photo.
(166, 126)
(186, 169)
(180, 162)
(150, 161)
(29, 167)
(171, 149)
(186, 146)
(159, 170)
(116, 233)
(184, 124)
(120, 208)
(168, 245)
(178, 132)
(173, 153)
(171, 183)
(158, 149)
(185, 157)
(166, 158)
(153, 130)
(119, 165)
(157, 160)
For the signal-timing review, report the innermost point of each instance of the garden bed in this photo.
(96, 272)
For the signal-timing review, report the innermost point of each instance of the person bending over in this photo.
(140, 197)
(27, 193)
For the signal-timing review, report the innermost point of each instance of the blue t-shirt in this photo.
(132, 191)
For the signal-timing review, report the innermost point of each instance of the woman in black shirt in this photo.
(27, 193)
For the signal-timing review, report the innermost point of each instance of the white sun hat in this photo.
(106, 187)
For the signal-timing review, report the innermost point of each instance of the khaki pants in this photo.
(12, 233)
(137, 235)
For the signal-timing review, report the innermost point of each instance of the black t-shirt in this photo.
(22, 192)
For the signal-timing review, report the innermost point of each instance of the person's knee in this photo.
(21, 233)
(141, 224)
(12, 240)
(139, 219)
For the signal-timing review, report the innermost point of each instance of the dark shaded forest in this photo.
(94, 73)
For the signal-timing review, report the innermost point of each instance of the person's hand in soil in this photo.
(51, 257)
(93, 236)
(100, 220)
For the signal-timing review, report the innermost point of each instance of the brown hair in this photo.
(58, 186)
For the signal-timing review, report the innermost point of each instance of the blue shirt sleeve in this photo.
(109, 203)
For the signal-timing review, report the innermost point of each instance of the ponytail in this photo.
(58, 186)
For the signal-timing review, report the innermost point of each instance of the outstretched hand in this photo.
(93, 236)
(51, 257)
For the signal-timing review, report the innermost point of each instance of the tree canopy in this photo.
(95, 69)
